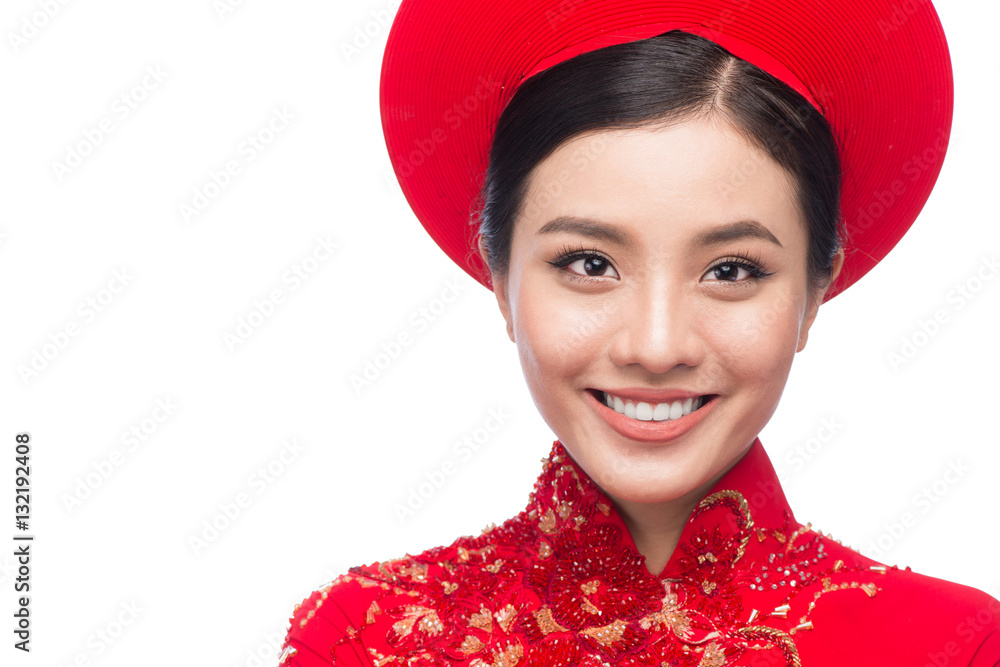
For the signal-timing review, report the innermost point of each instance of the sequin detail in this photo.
(560, 584)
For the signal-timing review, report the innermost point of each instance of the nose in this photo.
(657, 329)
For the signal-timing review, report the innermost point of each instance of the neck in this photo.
(656, 527)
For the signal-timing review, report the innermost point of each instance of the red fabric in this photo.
(563, 584)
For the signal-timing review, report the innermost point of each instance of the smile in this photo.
(651, 420)
(659, 412)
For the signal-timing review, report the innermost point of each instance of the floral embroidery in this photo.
(562, 584)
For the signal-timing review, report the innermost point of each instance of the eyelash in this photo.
(750, 262)
(568, 255)
(742, 259)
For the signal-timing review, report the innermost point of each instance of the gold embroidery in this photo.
(701, 605)
(482, 620)
(776, 638)
(324, 592)
(431, 624)
(808, 625)
(547, 524)
(373, 609)
(506, 616)
(509, 656)
(547, 624)
(380, 659)
(471, 644)
(670, 616)
(415, 571)
(735, 501)
(714, 656)
(606, 635)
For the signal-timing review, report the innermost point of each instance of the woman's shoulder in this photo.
(930, 621)
(328, 618)
(352, 619)
(324, 628)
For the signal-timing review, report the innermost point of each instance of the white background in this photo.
(327, 175)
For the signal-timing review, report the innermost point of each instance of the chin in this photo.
(640, 485)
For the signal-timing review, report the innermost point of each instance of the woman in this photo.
(670, 194)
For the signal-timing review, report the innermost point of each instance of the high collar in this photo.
(744, 502)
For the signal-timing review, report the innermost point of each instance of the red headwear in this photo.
(879, 71)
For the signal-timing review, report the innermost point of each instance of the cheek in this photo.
(755, 340)
(558, 336)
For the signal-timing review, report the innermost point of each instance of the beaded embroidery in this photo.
(559, 585)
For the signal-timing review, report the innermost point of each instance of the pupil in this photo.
(726, 271)
(593, 265)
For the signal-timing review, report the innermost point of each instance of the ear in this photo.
(816, 299)
(500, 291)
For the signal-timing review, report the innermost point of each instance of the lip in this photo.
(652, 431)
(652, 395)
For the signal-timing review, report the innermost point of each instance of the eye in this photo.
(585, 263)
(737, 269)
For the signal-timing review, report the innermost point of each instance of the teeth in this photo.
(653, 411)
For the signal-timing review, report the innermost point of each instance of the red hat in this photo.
(878, 70)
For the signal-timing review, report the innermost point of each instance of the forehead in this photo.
(675, 179)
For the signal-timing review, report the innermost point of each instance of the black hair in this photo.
(667, 78)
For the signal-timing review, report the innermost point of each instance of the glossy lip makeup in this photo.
(650, 431)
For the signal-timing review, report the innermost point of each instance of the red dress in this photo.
(562, 583)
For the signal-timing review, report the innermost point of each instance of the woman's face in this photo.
(629, 275)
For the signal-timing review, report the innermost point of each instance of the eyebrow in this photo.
(603, 231)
